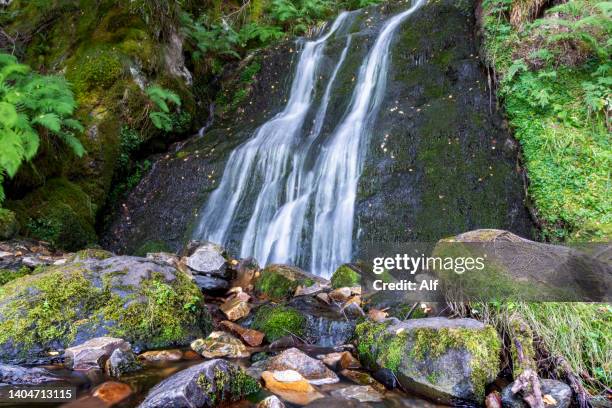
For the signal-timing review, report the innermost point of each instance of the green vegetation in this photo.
(32, 107)
(51, 307)
(345, 276)
(160, 97)
(228, 386)
(7, 275)
(278, 321)
(275, 286)
(554, 80)
(577, 332)
(8, 224)
(152, 247)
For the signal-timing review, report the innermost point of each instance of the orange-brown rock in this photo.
(112, 392)
(251, 337)
(299, 392)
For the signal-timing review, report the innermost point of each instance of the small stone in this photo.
(309, 290)
(209, 283)
(493, 400)
(251, 337)
(331, 360)
(347, 361)
(112, 392)
(377, 315)
(323, 297)
(362, 393)
(235, 309)
(121, 361)
(208, 259)
(162, 355)
(93, 352)
(340, 294)
(310, 368)
(386, 378)
(297, 392)
(363, 378)
(220, 344)
(271, 402)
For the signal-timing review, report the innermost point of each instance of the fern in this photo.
(160, 97)
(30, 105)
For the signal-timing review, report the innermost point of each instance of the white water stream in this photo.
(297, 189)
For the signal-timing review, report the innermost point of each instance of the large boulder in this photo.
(442, 359)
(313, 370)
(525, 269)
(207, 384)
(279, 282)
(149, 304)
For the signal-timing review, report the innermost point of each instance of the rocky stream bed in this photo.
(204, 329)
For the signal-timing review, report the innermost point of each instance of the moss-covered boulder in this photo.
(279, 282)
(442, 359)
(514, 268)
(276, 321)
(8, 224)
(209, 384)
(60, 213)
(345, 276)
(149, 304)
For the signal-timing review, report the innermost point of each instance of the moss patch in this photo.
(152, 247)
(59, 213)
(345, 277)
(278, 321)
(7, 275)
(229, 385)
(8, 224)
(275, 286)
(62, 304)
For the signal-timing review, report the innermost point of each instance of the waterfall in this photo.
(297, 186)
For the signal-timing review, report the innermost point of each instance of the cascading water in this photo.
(298, 186)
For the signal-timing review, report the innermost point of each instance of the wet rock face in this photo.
(94, 352)
(16, 375)
(204, 385)
(443, 359)
(435, 166)
(179, 182)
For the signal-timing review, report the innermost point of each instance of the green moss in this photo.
(7, 275)
(378, 347)
(278, 321)
(275, 286)
(152, 247)
(96, 68)
(90, 253)
(228, 386)
(59, 213)
(345, 276)
(8, 224)
(483, 345)
(49, 309)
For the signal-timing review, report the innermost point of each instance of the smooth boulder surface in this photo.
(443, 359)
(560, 392)
(90, 297)
(313, 370)
(220, 344)
(529, 270)
(208, 259)
(204, 385)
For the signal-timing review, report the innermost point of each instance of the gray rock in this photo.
(94, 353)
(16, 375)
(121, 361)
(558, 390)
(443, 359)
(204, 385)
(210, 283)
(208, 259)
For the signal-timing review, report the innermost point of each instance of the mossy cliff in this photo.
(440, 358)
(149, 304)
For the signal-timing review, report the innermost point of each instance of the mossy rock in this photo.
(148, 304)
(90, 253)
(443, 359)
(345, 276)
(150, 247)
(277, 321)
(279, 282)
(8, 224)
(59, 213)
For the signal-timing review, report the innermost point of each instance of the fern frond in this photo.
(48, 120)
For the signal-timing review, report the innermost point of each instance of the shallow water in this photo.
(153, 373)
